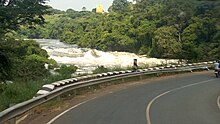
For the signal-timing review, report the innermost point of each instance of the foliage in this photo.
(100, 69)
(152, 27)
(189, 52)
(4, 66)
(119, 5)
(67, 70)
(23, 60)
(166, 43)
(15, 13)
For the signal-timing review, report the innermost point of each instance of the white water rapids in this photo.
(88, 59)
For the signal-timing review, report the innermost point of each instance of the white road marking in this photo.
(21, 119)
(51, 121)
(162, 94)
(218, 102)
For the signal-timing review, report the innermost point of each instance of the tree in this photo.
(4, 66)
(157, 28)
(145, 34)
(117, 42)
(23, 60)
(200, 29)
(15, 13)
(84, 8)
(119, 5)
(177, 13)
(189, 52)
(94, 10)
(165, 43)
(67, 70)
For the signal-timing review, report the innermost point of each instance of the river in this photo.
(89, 59)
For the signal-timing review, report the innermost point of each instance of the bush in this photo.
(100, 69)
(67, 70)
(22, 60)
(28, 69)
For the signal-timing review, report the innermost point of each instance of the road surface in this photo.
(182, 99)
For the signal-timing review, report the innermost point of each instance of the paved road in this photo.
(185, 99)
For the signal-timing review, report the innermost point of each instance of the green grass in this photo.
(21, 91)
(17, 92)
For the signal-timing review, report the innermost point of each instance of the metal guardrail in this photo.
(75, 83)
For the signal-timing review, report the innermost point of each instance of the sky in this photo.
(78, 4)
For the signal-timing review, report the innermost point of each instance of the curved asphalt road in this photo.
(185, 99)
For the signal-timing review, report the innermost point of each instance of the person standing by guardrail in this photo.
(135, 65)
(217, 67)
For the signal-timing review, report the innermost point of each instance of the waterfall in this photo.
(88, 59)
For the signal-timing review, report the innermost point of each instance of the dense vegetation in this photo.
(19, 58)
(188, 29)
(22, 62)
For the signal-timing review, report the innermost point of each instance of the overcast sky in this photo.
(78, 4)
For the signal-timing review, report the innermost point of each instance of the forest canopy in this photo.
(21, 59)
(188, 29)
